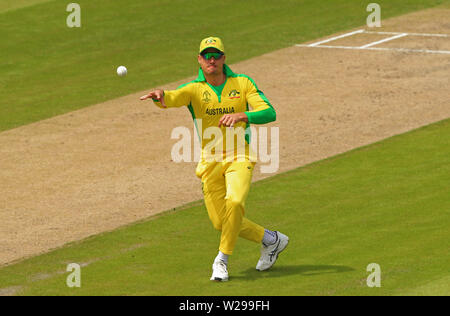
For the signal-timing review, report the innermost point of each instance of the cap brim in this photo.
(211, 47)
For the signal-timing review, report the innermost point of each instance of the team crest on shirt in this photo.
(234, 94)
(206, 97)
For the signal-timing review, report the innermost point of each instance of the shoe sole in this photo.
(219, 280)
(276, 258)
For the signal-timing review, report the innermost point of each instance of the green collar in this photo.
(227, 71)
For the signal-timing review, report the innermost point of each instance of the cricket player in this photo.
(224, 102)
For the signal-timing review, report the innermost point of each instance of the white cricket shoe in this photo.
(220, 272)
(269, 254)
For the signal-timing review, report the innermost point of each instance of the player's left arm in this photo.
(262, 111)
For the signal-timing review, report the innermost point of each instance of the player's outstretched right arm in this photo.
(156, 95)
(171, 98)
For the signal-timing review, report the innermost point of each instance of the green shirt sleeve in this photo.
(261, 117)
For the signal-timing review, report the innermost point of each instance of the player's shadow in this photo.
(282, 271)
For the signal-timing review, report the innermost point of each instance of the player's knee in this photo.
(217, 224)
(236, 203)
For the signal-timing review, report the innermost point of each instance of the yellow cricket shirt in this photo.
(207, 105)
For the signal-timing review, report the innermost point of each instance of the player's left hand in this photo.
(229, 120)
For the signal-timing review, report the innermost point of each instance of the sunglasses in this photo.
(208, 56)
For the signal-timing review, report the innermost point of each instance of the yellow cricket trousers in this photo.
(225, 189)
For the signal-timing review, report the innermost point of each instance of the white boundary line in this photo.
(369, 46)
(410, 34)
(383, 49)
(384, 40)
(336, 38)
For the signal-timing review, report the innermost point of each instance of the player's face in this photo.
(213, 65)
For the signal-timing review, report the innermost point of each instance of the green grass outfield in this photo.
(386, 203)
(49, 69)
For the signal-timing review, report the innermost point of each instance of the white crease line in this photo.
(411, 34)
(407, 50)
(384, 40)
(336, 38)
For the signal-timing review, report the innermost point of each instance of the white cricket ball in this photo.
(122, 71)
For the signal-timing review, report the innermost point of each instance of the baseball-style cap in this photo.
(214, 42)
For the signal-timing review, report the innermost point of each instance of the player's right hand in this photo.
(157, 95)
